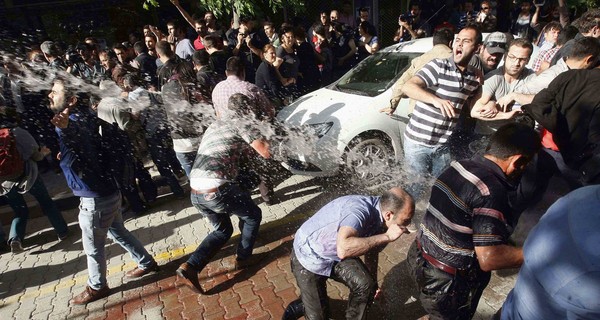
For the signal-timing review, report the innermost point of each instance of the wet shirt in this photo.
(315, 243)
(468, 207)
(225, 146)
(560, 276)
(428, 126)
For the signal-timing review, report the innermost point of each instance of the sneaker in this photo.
(88, 295)
(190, 275)
(15, 246)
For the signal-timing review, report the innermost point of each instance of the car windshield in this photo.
(376, 74)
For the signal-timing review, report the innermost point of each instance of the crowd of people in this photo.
(203, 109)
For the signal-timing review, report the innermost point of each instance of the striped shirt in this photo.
(225, 147)
(427, 125)
(468, 207)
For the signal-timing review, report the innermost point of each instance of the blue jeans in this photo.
(217, 207)
(97, 218)
(19, 206)
(422, 162)
(187, 161)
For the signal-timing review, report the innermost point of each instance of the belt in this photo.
(436, 263)
(211, 190)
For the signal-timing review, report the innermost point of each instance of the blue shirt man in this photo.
(560, 278)
(330, 243)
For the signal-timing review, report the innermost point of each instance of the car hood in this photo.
(325, 104)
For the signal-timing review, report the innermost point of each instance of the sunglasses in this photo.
(493, 44)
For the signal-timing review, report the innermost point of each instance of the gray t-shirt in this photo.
(30, 152)
(496, 86)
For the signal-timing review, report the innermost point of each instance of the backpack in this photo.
(11, 162)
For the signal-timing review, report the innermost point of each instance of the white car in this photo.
(350, 130)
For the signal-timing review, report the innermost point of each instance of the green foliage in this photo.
(222, 8)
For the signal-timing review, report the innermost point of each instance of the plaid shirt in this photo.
(232, 85)
(545, 55)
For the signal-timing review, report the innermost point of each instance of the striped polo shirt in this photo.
(427, 125)
(468, 207)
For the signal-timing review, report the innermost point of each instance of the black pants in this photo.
(446, 296)
(313, 290)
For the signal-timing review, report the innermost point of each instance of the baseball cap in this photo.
(496, 42)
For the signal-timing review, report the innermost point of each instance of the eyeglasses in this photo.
(511, 57)
(493, 44)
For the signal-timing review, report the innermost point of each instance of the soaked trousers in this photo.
(446, 296)
(351, 272)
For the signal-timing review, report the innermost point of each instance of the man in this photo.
(347, 15)
(501, 82)
(52, 55)
(206, 77)
(486, 20)
(215, 192)
(198, 24)
(145, 64)
(333, 16)
(589, 26)
(122, 54)
(330, 243)
(561, 275)
(412, 26)
(438, 106)
(169, 62)
(19, 154)
(181, 45)
(248, 46)
(269, 28)
(584, 55)
(218, 58)
(548, 41)
(84, 164)
(442, 43)
(569, 110)
(89, 69)
(266, 111)
(465, 231)
(491, 52)
(468, 15)
(150, 41)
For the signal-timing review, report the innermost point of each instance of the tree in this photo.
(223, 8)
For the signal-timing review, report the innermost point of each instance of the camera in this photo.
(405, 18)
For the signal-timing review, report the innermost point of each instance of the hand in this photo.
(445, 107)
(248, 41)
(61, 120)
(378, 294)
(44, 151)
(489, 110)
(505, 101)
(403, 23)
(395, 231)
(171, 39)
(388, 110)
(58, 156)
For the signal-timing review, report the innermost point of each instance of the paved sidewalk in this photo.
(38, 283)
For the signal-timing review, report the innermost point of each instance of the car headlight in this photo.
(321, 129)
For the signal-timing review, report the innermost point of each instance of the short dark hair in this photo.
(363, 9)
(210, 41)
(584, 47)
(521, 42)
(478, 35)
(201, 57)
(552, 25)
(140, 47)
(589, 20)
(269, 23)
(514, 139)
(119, 46)
(443, 36)
(150, 36)
(199, 20)
(299, 32)
(164, 48)
(567, 33)
(235, 65)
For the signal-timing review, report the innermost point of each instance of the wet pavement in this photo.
(38, 283)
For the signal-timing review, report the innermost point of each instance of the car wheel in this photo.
(368, 160)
